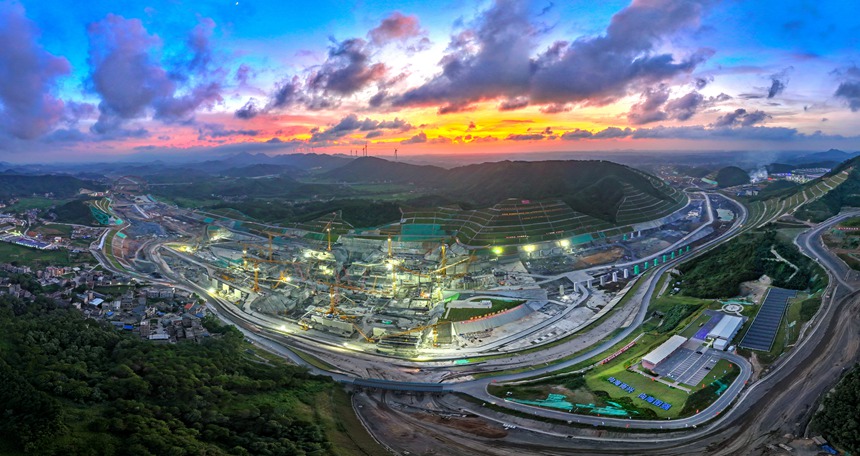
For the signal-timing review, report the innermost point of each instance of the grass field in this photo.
(24, 204)
(54, 229)
(24, 256)
(694, 326)
(465, 314)
(597, 381)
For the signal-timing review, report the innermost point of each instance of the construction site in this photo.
(419, 296)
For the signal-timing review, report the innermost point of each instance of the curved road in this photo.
(477, 388)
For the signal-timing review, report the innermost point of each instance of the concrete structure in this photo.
(461, 304)
(725, 331)
(659, 354)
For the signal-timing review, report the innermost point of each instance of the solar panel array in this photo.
(763, 330)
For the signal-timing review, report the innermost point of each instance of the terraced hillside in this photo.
(607, 191)
(763, 212)
(516, 221)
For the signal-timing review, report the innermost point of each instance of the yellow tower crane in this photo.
(442, 266)
(332, 306)
(256, 288)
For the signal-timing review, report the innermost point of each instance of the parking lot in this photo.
(687, 366)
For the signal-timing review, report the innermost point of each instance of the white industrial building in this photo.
(659, 354)
(725, 331)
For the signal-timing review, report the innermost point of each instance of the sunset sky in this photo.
(100, 79)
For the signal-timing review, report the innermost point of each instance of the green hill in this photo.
(76, 212)
(12, 185)
(262, 169)
(731, 176)
(273, 187)
(372, 169)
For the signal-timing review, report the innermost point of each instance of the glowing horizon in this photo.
(507, 76)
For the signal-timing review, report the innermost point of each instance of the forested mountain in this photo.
(74, 386)
(13, 185)
(731, 176)
(839, 418)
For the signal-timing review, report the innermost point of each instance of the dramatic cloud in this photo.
(351, 124)
(611, 133)
(496, 58)
(347, 70)
(75, 112)
(451, 108)
(28, 74)
(200, 46)
(514, 104)
(697, 132)
(287, 93)
(493, 60)
(209, 131)
(655, 106)
(740, 117)
(555, 108)
(700, 83)
(248, 111)
(778, 82)
(602, 69)
(849, 88)
(577, 134)
(417, 139)
(131, 82)
(649, 107)
(685, 107)
(243, 74)
(525, 137)
(850, 92)
(396, 27)
(377, 100)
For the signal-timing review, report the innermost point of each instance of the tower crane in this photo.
(328, 231)
(256, 287)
